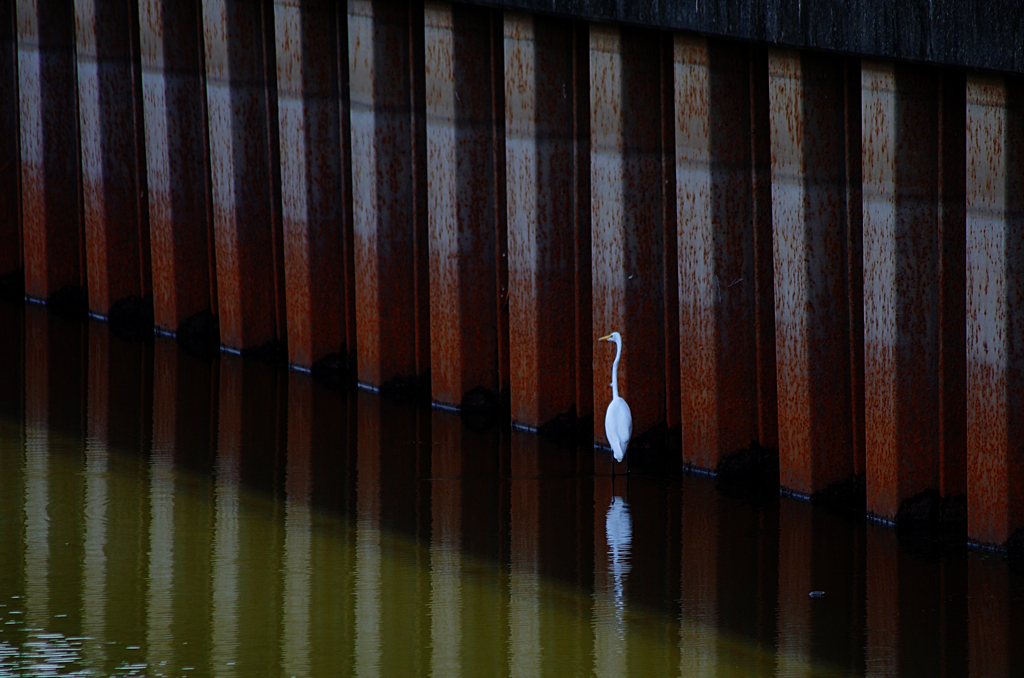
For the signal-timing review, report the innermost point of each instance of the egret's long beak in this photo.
(605, 337)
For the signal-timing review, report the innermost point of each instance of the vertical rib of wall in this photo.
(764, 264)
(995, 321)
(389, 185)
(10, 212)
(110, 120)
(853, 234)
(627, 220)
(241, 95)
(460, 44)
(718, 254)
(812, 281)
(669, 238)
(48, 113)
(311, 51)
(907, 249)
(583, 364)
(177, 161)
(496, 67)
(900, 284)
(952, 222)
(540, 95)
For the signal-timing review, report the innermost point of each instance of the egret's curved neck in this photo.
(615, 370)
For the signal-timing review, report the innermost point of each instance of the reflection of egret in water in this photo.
(609, 592)
(618, 527)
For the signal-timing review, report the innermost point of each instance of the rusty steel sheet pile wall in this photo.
(241, 92)
(177, 163)
(50, 168)
(389, 191)
(628, 219)
(113, 156)
(312, 56)
(909, 243)
(809, 97)
(725, 267)
(995, 317)
(465, 129)
(804, 252)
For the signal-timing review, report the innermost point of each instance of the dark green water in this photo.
(166, 515)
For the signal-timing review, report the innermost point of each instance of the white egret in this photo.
(618, 420)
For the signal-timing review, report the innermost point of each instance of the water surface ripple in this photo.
(167, 515)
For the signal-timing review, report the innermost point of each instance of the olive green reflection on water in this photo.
(155, 571)
(166, 515)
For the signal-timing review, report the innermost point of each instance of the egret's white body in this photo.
(618, 420)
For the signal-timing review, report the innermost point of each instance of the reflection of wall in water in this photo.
(142, 549)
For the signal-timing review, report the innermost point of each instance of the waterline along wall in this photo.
(806, 224)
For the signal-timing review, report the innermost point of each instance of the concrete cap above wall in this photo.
(972, 34)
